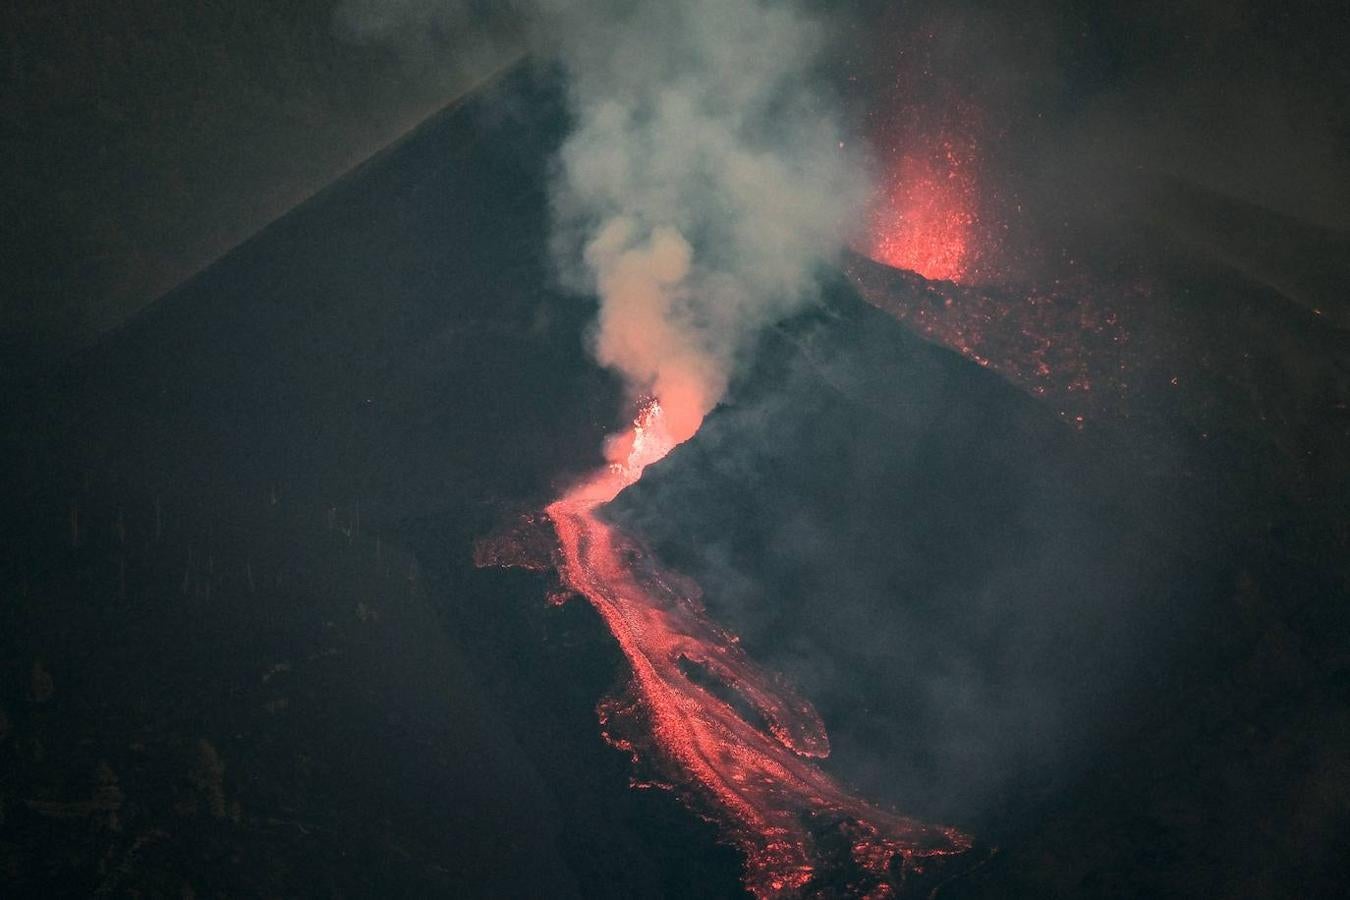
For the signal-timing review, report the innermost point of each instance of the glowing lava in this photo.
(1066, 343)
(733, 740)
(924, 215)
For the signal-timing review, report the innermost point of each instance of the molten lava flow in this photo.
(924, 215)
(749, 772)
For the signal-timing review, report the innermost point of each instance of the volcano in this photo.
(248, 648)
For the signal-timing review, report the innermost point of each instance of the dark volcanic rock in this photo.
(1115, 654)
(964, 585)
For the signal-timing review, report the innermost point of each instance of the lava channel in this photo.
(744, 765)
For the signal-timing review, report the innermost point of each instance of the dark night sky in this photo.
(142, 140)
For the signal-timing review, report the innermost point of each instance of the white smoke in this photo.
(706, 178)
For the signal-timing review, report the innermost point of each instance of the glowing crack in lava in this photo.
(734, 741)
(923, 216)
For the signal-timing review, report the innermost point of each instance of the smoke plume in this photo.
(705, 178)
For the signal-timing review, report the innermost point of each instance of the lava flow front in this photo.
(733, 740)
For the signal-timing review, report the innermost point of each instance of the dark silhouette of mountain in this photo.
(246, 650)
(205, 555)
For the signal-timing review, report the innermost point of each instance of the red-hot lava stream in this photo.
(748, 772)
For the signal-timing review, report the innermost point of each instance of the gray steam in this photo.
(442, 43)
(705, 180)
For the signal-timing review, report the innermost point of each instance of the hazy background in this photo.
(142, 140)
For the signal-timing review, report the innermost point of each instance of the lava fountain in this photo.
(924, 213)
(734, 741)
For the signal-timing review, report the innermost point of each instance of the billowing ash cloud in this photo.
(706, 177)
